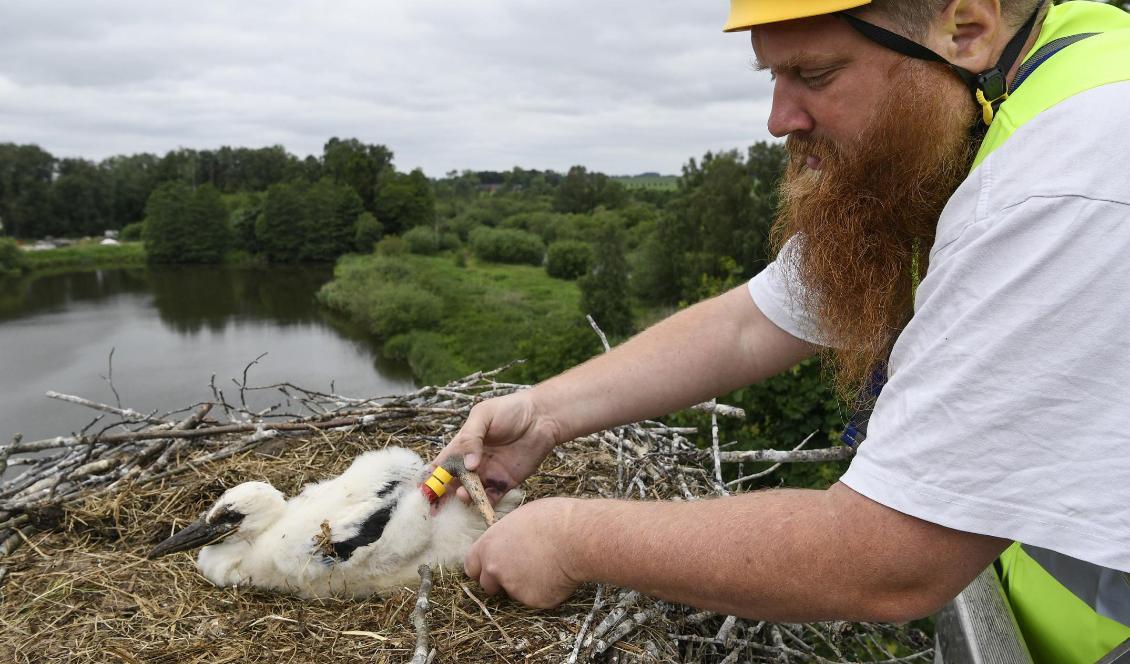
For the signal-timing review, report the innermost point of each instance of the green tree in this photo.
(279, 230)
(183, 225)
(130, 180)
(80, 199)
(368, 232)
(26, 172)
(582, 192)
(302, 222)
(330, 220)
(715, 233)
(604, 290)
(405, 201)
(361, 166)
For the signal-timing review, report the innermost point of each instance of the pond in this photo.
(171, 329)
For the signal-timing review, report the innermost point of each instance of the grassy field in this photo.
(649, 181)
(85, 256)
(448, 320)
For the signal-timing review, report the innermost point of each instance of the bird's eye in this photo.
(228, 516)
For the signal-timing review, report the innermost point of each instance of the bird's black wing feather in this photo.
(371, 528)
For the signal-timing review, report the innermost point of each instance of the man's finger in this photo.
(489, 584)
(471, 563)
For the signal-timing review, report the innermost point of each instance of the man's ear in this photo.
(968, 33)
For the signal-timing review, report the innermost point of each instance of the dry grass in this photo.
(81, 590)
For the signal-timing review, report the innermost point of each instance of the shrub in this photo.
(374, 294)
(367, 233)
(131, 232)
(422, 240)
(12, 260)
(505, 245)
(392, 245)
(429, 355)
(568, 259)
(395, 308)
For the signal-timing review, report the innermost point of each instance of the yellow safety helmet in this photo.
(744, 14)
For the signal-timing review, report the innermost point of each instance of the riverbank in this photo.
(84, 256)
(447, 317)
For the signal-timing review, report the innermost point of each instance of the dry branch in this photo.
(419, 615)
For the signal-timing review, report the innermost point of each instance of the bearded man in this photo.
(992, 302)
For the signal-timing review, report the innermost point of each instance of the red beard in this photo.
(864, 223)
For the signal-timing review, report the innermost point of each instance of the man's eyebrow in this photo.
(802, 61)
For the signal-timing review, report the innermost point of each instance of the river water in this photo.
(171, 330)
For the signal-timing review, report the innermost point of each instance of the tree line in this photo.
(41, 195)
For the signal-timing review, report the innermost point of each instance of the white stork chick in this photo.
(362, 532)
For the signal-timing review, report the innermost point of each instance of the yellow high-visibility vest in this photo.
(1069, 611)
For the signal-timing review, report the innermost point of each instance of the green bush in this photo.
(506, 245)
(568, 259)
(12, 261)
(392, 245)
(429, 355)
(386, 308)
(131, 232)
(368, 232)
(422, 240)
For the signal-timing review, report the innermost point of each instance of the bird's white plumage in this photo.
(281, 545)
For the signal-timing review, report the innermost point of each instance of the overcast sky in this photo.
(621, 86)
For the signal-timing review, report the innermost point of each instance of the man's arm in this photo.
(711, 348)
(782, 555)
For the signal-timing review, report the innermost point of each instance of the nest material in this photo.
(81, 590)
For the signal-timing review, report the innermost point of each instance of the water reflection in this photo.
(172, 328)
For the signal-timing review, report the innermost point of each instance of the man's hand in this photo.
(527, 554)
(503, 440)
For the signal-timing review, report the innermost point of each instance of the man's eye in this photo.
(815, 80)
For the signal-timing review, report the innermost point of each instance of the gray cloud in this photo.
(622, 87)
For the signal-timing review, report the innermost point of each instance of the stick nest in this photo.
(78, 588)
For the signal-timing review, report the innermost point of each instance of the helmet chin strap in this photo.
(989, 87)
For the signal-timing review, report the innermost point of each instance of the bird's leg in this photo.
(436, 485)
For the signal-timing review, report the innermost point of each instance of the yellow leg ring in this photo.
(436, 486)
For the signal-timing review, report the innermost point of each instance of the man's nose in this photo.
(788, 115)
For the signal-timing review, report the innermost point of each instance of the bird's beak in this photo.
(200, 533)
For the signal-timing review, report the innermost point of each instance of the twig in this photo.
(628, 626)
(109, 378)
(597, 603)
(599, 333)
(770, 469)
(715, 408)
(419, 615)
(719, 485)
(614, 616)
(841, 453)
(243, 385)
(483, 608)
(127, 414)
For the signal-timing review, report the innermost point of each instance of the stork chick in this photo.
(360, 533)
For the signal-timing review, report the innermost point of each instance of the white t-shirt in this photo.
(1007, 412)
